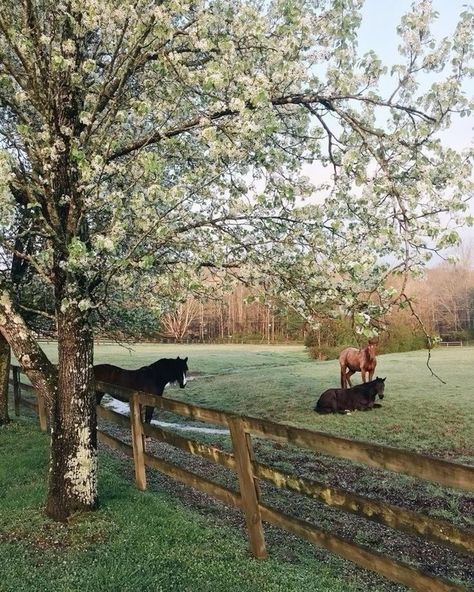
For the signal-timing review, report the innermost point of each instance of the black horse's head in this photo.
(380, 386)
(169, 370)
(181, 369)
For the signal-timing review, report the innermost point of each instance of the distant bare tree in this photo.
(177, 322)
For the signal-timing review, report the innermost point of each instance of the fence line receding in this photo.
(249, 471)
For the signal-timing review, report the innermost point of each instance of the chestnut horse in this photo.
(354, 360)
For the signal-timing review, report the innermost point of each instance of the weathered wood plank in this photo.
(113, 416)
(192, 446)
(421, 466)
(248, 438)
(172, 405)
(138, 442)
(395, 517)
(390, 568)
(223, 494)
(248, 490)
(42, 413)
(193, 411)
(115, 443)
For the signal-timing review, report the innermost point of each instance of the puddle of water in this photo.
(124, 409)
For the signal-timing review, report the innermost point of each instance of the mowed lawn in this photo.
(136, 541)
(153, 541)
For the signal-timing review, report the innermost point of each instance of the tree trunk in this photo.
(4, 376)
(73, 455)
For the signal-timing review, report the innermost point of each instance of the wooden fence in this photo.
(249, 471)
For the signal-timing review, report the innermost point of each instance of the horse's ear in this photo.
(186, 359)
(384, 379)
(177, 358)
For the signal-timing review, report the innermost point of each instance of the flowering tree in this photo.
(167, 136)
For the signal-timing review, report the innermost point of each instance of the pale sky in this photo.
(378, 32)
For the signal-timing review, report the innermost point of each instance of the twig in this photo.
(427, 335)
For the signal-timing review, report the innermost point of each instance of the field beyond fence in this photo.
(249, 472)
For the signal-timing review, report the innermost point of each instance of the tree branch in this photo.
(33, 360)
(300, 99)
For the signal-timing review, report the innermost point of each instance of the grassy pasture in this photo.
(144, 541)
(282, 384)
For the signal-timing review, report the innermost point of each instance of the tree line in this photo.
(442, 307)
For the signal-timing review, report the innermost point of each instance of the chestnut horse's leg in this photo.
(346, 374)
(363, 373)
(348, 377)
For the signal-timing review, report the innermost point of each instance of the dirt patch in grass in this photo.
(50, 536)
(398, 490)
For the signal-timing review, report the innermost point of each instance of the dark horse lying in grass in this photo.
(361, 397)
(150, 379)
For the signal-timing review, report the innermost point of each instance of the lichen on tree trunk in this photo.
(4, 377)
(73, 456)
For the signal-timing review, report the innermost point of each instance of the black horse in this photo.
(361, 397)
(150, 379)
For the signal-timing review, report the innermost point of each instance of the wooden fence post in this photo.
(16, 389)
(42, 412)
(137, 441)
(248, 487)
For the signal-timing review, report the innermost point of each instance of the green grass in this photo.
(152, 541)
(282, 383)
(143, 541)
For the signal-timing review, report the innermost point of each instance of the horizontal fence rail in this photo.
(249, 471)
(422, 466)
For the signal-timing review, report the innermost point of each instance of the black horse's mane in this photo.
(366, 385)
(163, 362)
